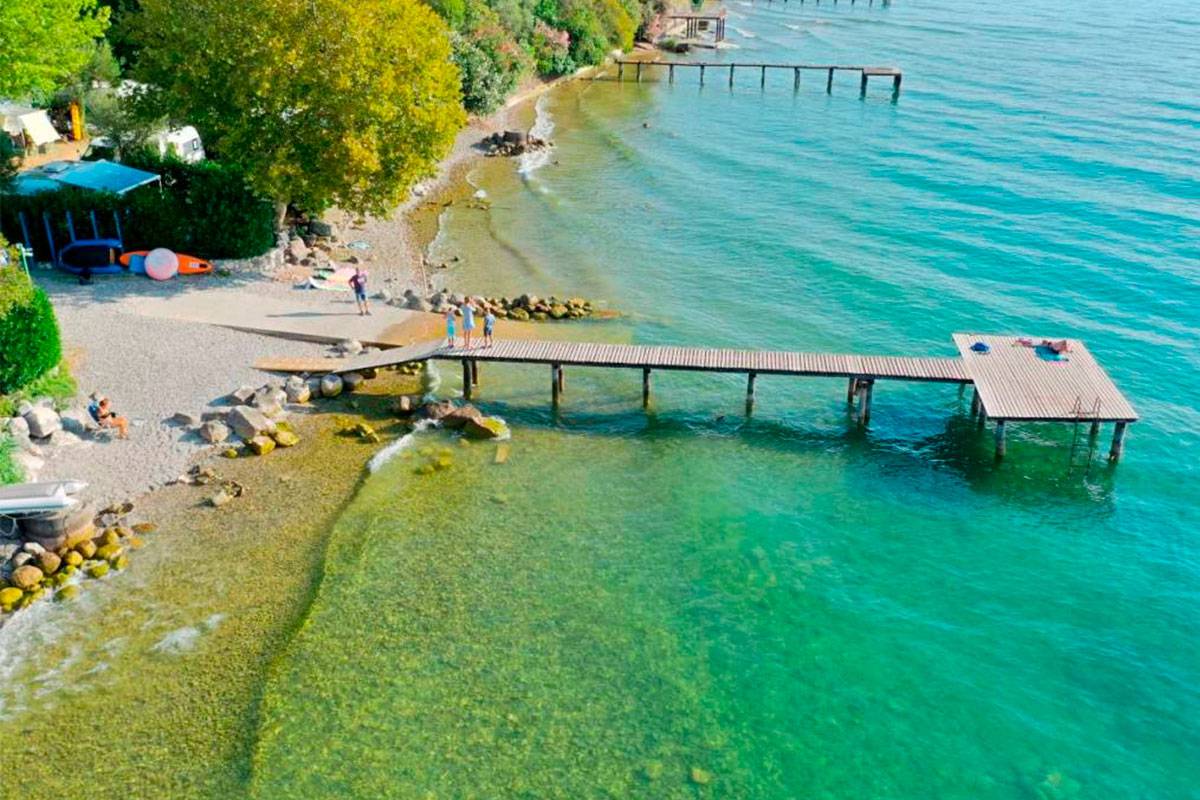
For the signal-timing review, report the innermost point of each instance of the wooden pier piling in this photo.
(1118, 443)
(556, 385)
(750, 378)
(645, 387)
(466, 380)
(1001, 442)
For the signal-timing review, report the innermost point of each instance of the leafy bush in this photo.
(9, 471)
(486, 77)
(29, 340)
(205, 209)
(58, 384)
(551, 50)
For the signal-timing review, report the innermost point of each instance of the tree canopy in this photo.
(324, 102)
(43, 43)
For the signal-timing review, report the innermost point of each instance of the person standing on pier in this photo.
(450, 327)
(489, 327)
(468, 313)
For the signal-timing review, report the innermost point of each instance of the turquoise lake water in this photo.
(687, 602)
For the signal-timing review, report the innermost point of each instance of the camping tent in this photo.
(38, 128)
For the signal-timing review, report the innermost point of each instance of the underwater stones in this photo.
(352, 380)
(437, 410)
(700, 777)
(73, 558)
(136, 543)
(214, 431)
(98, 570)
(86, 548)
(219, 499)
(249, 422)
(27, 577)
(120, 561)
(230, 452)
(331, 386)
(109, 537)
(49, 562)
(108, 552)
(66, 593)
(261, 445)
(403, 405)
(9, 597)
(485, 428)
(285, 438)
(144, 528)
(366, 433)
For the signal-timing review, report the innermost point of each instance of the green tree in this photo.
(43, 43)
(321, 102)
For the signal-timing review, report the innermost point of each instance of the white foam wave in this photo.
(745, 34)
(395, 448)
(177, 642)
(543, 127)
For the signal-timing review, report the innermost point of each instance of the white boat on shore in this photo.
(39, 498)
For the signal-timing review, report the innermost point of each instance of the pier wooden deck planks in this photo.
(1015, 383)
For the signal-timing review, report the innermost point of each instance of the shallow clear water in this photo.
(790, 606)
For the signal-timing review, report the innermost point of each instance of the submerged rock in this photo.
(331, 386)
(261, 445)
(485, 428)
(285, 438)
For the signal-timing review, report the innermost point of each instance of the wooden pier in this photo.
(696, 23)
(1012, 382)
(865, 73)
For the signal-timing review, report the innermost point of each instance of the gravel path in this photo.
(151, 369)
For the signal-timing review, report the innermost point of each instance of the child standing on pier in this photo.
(450, 327)
(489, 326)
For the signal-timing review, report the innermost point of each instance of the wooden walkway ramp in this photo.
(1013, 381)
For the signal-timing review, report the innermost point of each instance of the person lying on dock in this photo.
(105, 417)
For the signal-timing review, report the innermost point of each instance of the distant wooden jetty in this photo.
(1013, 381)
(865, 73)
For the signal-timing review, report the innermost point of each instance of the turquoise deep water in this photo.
(689, 603)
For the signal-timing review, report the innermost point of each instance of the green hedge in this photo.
(205, 209)
(29, 342)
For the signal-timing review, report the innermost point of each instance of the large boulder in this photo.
(460, 416)
(319, 227)
(485, 428)
(42, 421)
(249, 422)
(285, 438)
(352, 380)
(27, 577)
(297, 390)
(261, 445)
(331, 386)
(241, 396)
(214, 431)
(17, 428)
(297, 250)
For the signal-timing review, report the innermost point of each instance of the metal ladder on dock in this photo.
(1081, 415)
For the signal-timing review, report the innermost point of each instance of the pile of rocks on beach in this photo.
(55, 562)
(512, 143)
(527, 307)
(41, 433)
(318, 243)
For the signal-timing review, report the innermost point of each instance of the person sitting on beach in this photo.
(489, 327)
(450, 327)
(105, 417)
(468, 313)
(358, 283)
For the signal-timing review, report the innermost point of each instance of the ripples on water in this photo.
(797, 608)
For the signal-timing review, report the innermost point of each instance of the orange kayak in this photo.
(188, 265)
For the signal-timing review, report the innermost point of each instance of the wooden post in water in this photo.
(474, 372)
(796, 79)
(762, 81)
(851, 388)
(1094, 431)
(555, 383)
(750, 392)
(645, 387)
(896, 85)
(701, 74)
(731, 76)
(1118, 443)
(466, 378)
(1001, 444)
(974, 402)
(829, 83)
(671, 74)
(639, 72)
(868, 392)
(863, 91)
(620, 70)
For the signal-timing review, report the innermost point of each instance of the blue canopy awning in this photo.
(95, 176)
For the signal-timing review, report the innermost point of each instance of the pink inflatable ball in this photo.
(161, 264)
